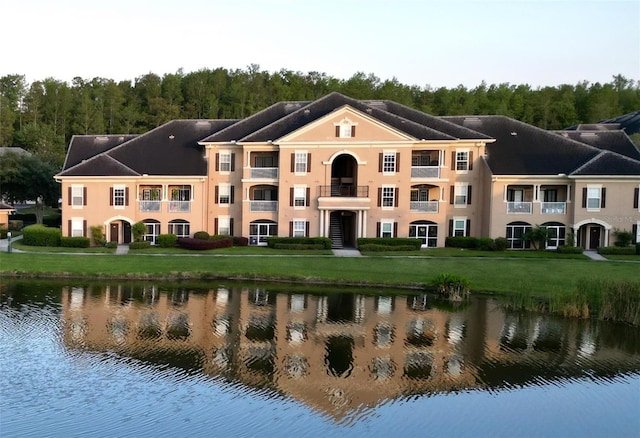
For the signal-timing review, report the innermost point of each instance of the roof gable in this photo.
(614, 141)
(609, 164)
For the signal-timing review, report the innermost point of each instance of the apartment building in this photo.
(344, 168)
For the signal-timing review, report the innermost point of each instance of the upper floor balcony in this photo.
(426, 164)
(519, 207)
(179, 206)
(263, 173)
(552, 198)
(424, 206)
(263, 165)
(263, 198)
(344, 191)
(553, 208)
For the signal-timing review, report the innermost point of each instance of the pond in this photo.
(223, 359)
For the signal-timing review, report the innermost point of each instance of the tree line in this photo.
(41, 116)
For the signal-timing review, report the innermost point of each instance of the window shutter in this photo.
(353, 131)
(215, 201)
(291, 197)
(306, 229)
(395, 198)
(84, 228)
(215, 226)
(380, 160)
(453, 160)
(452, 194)
(217, 161)
(69, 228)
(293, 163)
(231, 226)
(231, 195)
(584, 197)
(468, 195)
(395, 229)
(126, 196)
(470, 160)
(378, 229)
(450, 227)
(84, 196)
(337, 131)
(634, 231)
(308, 196)
(69, 196)
(636, 195)
(233, 162)
(398, 162)
(379, 196)
(110, 195)
(290, 228)
(308, 162)
(468, 230)
(603, 197)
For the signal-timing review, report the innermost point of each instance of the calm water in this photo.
(239, 360)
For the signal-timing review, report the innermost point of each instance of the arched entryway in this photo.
(119, 230)
(592, 234)
(344, 176)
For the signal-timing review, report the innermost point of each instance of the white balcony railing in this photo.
(519, 207)
(150, 205)
(179, 206)
(425, 172)
(264, 173)
(263, 206)
(553, 208)
(424, 206)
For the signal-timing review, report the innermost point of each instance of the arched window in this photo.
(426, 231)
(180, 228)
(261, 229)
(515, 233)
(153, 230)
(556, 234)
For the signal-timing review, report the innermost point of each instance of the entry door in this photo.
(113, 233)
(126, 232)
(594, 237)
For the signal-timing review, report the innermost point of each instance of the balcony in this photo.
(519, 207)
(263, 173)
(150, 206)
(344, 191)
(262, 206)
(424, 206)
(425, 172)
(179, 206)
(553, 208)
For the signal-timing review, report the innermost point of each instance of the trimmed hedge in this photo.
(372, 247)
(299, 246)
(199, 244)
(3, 233)
(461, 242)
(500, 244)
(240, 241)
(39, 235)
(15, 225)
(201, 235)
(638, 248)
(617, 250)
(564, 249)
(167, 240)
(143, 244)
(75, 242)
(111, 245)
(292, 242)
(390, 242)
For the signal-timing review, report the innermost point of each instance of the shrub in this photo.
(484, 243)
(138, 230)
(111, 245)
(638, 248)
(500, 244)
(617, 250)
(15, 225)
(461, 242)
(323, 242)
(372, 247)
(52, 221)
(97, 235)
(240, 241)
(75, 242)
(389, 243)
(142, 244)
(298, 246)
(200, 244)
(451, 287)
(566, 249)
(39, 235)
(3, 233)
(167, 240)
(623, 238)
(202, 235)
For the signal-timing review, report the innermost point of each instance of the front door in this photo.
(126, 232)
(113, 232)
(594, 237)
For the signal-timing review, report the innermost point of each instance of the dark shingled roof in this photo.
(522, 149)
(170, 149)
(609, 163)
(629, 123)
(614, 141)
(83, 147)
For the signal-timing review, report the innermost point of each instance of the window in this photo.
(459, 226)
(77, 197)
(593, 197)
(556, 234)
(345, 129)
(224, 162)
(77, 227)
(153, 231)
(636, 197)
(259, 231)
(462, 161)
(461, 194)
(426, 231)
(299, 196)
(386, 229)
(389, 162)
(224, 194)
(388, 196)
(119, 196)
(180, 228)
(224, 225)
(299, 228)
(301, 162)
(181, 193)
(515, 233)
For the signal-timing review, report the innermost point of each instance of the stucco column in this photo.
(358, 222)
(322, 223)
(364, 223)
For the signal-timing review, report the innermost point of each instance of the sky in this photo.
(442, 43)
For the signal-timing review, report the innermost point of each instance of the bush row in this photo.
(3, 233)
(75, 242)
(283, 242)
(390, 244)
(299, 246)
(479, 243)
(201, 244)
(40, 235)
(617, 250)
(373, 247)
(140, 245)
(564, 249)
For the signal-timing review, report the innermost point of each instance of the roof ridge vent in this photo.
(471, 121)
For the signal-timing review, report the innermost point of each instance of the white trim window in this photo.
(462, 161)
(224, 193)
(180, 228)
(459, 226)
(119, 196)
(299, 196)
(299, 228)
(77, 196)
(224, 161)
(388, 196)
(594, 198)
(153, 231)
(460, 194)
(345, 128)
(515, 235)
(386, 228)
(300, 165)
(77, 227)
(389, 163)
(224, 225)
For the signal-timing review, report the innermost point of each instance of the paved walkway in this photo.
(593, 255)
(346, 252)
(122, 249)
(4, 244)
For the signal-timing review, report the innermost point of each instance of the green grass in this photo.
(236, 250)
(459, 252)
(622, 257)
(59, 249)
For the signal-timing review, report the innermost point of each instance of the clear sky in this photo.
(419, 42)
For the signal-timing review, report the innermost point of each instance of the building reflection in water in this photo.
(338, 352)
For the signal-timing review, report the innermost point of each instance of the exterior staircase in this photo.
(335, 232)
